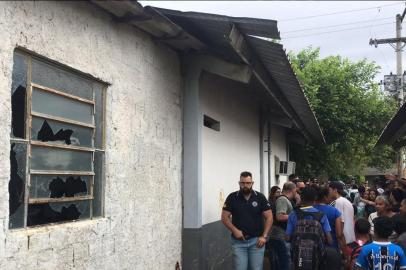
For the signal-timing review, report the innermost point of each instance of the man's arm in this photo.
(281, 210)
(340, 234)
(267, 227)
(225, 218)
(327, 230)
(329, 238)
(283, 217)
(290, 226)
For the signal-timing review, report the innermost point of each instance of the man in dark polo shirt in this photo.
(251, 222)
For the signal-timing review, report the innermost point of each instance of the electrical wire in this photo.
(384, 57)
(340, 30)
(336, 25)
(338, 12)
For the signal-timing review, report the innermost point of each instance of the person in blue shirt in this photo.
(333, 216)
(381, 254)
(308, 198)
(336, 225)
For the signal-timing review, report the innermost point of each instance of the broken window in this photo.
(18, 91)
(46, 130)
(58, 135)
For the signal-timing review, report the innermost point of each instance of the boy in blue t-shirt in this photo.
(381, 254)
(308, 197)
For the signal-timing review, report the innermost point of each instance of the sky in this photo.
(336, 27)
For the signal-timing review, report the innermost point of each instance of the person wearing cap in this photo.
(336, 189)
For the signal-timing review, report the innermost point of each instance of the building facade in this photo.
(125, 127)
(141, 193)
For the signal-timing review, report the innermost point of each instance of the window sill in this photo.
(56, 226)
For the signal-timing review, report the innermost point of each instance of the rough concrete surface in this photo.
(142, 224)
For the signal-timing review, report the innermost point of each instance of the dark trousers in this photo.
(333, 259)
(279, 254)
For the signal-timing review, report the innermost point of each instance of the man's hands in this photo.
(261, 242)
(238, 234)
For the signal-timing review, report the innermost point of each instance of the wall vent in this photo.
(211, 123)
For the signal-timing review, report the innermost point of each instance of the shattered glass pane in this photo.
(99, 119)
(57, 212)
(55, 105)
(54, 186)
(98, 184)
(18, 92)
(53, 77)
(16, 185)
(45, 158)
(60, 133)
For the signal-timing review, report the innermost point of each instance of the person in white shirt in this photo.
(343, 205)
(382, 209)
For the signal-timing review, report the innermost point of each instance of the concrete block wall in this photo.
(142, 224)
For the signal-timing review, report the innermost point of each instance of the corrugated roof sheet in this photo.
(395, 129)
(250, 26)
(275, 60)
(213, 30)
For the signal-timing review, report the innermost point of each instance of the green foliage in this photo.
(351, 111)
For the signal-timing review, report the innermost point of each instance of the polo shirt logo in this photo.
(254, 203)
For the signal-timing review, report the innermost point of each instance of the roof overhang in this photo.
(395, 130)
(234, 39)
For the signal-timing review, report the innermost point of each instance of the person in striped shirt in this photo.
(381, 254)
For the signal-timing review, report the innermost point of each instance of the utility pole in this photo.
(400, 43)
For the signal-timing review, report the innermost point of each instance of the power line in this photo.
(338, 12)
(384, 58)
(336, 25)
(328, 32)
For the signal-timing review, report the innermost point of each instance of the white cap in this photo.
(380, 190)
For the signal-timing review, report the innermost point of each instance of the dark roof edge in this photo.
(198, 15)
(151, 21)
(313, 128)
(392, 127)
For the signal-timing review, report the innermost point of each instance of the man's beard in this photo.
(246, 190)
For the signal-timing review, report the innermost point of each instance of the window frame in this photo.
(30, 142)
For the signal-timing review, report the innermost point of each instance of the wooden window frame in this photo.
(29, 114)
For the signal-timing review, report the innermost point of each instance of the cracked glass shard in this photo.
(98, 184)
(57, 78)
(61, 133)
(45, 158)
(59, 106)
(16, 185)
(18, 95)
(99, 117)
(57, 212)
(18, 112)
(44, 186)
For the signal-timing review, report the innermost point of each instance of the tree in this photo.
(351, 111)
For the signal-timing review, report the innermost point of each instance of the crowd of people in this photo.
(312, 225)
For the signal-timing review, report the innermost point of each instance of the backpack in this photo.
(355, 250)
(308, 249)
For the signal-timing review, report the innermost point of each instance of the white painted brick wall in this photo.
(142, 227)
